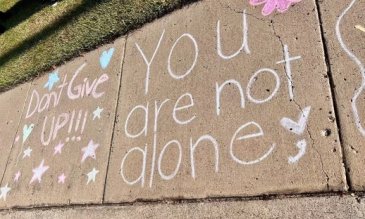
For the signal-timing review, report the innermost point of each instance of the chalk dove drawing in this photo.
(302, 146)
(297, 127)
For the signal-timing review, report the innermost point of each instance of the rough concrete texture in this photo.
(11, 108)
(65, 133)
(221, 113)
(213, 100)
(344, 30)
(315, 207)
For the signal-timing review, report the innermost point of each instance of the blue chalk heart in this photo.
(106, 57)
(26, 131)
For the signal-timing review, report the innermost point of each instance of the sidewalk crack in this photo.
(300, 108)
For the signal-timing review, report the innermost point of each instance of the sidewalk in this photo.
(209, 103)
(315, 207)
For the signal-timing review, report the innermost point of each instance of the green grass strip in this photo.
(55, 34)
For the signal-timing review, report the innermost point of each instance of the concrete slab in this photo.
(219, 101)
(345, 36)
(65, 133)
(11, 109)
(315, 207)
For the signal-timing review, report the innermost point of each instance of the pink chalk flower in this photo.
(271, 5)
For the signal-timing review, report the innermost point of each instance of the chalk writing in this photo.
(288, 71)
(253, 135)
(360, 65)
(148, 63)
(57, 122)
(194, 146)
(56, 127)
(163, 157)
(244, 46)
(169, 68)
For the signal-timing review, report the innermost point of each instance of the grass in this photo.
(55, 34)
(7, 4)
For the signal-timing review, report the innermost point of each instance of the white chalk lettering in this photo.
(194, 146)
(148, 63)
(29, 112)
(287, 60)
(219, 89)
(42, 104)
(144, 128)
(173, 174)
(48, 140)
(254, 78)
(181, 76)
(92, 89)
(244, 46)
(85, 88)
(143, 168)
(77, 88)
(179, 108)
(155, 128)
(244, 137)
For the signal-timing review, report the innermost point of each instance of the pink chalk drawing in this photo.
(38, 172)
(17, 176)
(58, 148)
(16, 139)
(58, 134)
(61, 178)
(270, 5)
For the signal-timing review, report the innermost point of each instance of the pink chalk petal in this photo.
(294, 1)
(257, 2)
(269, 7)
(283, 5)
